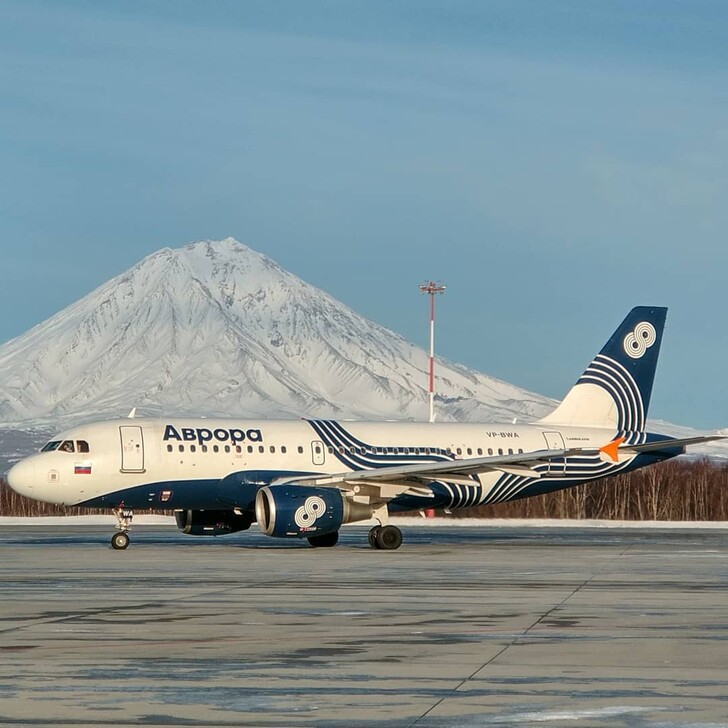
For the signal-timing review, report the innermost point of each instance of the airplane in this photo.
(304, 479)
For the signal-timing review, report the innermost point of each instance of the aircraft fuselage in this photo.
(164, 464)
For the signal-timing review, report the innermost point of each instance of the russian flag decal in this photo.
(83, 468)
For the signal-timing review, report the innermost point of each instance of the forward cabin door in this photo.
(557, 466)
(132, 449)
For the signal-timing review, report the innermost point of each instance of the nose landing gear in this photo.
(120, 540)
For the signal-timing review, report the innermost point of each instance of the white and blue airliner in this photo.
(306, 478)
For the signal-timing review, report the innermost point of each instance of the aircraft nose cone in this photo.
(21, 477)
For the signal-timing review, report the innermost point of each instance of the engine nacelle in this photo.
(297, 511)
(212, 523)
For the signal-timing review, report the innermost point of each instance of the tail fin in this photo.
(615, 389)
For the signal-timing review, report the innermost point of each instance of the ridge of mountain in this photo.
(217, 329)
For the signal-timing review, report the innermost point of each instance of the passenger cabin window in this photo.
(300, 449)
(490, 451)
(169, 448)
(480, 451)
(250, 448)
(181, 448)
(227, 448)
(216, 448)
(81, 446)
(283, 449)
(52, 445)
(470, 451)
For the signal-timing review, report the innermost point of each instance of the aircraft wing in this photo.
(384, 484)
(389, 482)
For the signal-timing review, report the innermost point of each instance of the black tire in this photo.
(373, 537)
(389, 538)
(120, 540)
(325, 541)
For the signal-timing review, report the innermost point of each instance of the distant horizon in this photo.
(553, 164)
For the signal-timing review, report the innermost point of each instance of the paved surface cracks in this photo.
(460, 627)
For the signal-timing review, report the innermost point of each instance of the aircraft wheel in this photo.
(120, 540)
(373, 537)
(325, 541)
(389, 538)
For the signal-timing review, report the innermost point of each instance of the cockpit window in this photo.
(67, 446)
(52, 445)
(81, 446)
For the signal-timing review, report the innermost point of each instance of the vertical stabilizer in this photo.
(615, 389)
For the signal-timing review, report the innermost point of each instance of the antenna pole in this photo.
(431, 289)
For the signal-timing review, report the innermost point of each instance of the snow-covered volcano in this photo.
(216, 328)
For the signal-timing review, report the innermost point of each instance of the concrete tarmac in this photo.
(460, 627)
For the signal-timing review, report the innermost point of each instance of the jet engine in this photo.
(212, 523)
(298, 511)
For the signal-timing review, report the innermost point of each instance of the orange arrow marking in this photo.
(611, 449)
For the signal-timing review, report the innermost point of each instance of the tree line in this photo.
(676, 490)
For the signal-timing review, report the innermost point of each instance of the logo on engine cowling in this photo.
(307, 515)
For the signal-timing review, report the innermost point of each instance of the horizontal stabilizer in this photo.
(613, 449)
(670, 443)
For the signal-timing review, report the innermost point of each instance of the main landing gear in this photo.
(385, 538)
(120, 540)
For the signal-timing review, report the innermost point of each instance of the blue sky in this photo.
(555, 163)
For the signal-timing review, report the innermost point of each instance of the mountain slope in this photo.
(215, 328)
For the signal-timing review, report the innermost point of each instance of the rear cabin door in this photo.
(318, 452)
(132, 449)
(557, 466)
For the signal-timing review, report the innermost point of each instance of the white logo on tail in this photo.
(637, 342)
(309, 512)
